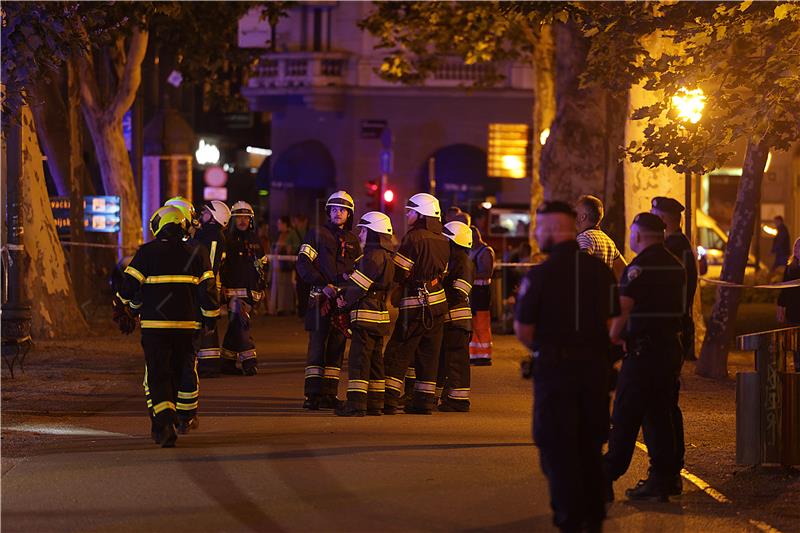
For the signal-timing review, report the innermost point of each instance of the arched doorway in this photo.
(300, 180)
(461, 179)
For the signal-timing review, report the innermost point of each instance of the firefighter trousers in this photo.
(452, 382)
(208, 354)
(326, 346)
(238, 344)
(412, 341)
(170, 378)
(365, 383)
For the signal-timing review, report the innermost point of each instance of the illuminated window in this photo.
(508, 147)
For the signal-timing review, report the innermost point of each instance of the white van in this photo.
(711, 244)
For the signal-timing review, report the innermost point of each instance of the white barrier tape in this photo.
(781, 285)
(94, 245)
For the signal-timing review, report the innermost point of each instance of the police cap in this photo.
(650, 222)
(667, 205)
(548, 208)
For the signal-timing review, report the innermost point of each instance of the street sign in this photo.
(372, 129)
(387, 161)
(101, 214)
(216, 193)
(215, 176)
(60, 206)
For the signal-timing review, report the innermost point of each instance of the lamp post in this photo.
(689, 104)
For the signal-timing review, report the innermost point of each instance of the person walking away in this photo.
(780, 244)
(324, 261)
(593, 240)
(300, 226)
(789, 299)
(453, 380)
(417, 337)
(243, 283)
(364, 296)
(214, 220)
(283, 293)
(170, 285)
(562, 310)
(650, 325)
(480, 347)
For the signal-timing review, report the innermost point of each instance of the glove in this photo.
(123, 316)
(341, 321)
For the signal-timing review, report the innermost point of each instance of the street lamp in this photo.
(689, 105)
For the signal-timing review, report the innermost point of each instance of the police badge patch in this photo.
(633, 272)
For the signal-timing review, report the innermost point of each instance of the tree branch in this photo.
(132, 75)
(117, 53)
(90, 94)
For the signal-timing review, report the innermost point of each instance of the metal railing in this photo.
(299, 69)
(768, 400)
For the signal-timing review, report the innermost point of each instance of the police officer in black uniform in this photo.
(561, 315)
(652, 294)
(326, 257)
(417, 337)
(170, 286)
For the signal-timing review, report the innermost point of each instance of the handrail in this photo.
(789, 337)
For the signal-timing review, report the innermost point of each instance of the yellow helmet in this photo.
(164, 216)
(459, 233)
(186, 207)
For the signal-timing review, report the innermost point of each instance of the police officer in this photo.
(562, 309)
(211, 234)
(170, 286)
(364, 297)
(326, 257)
(452, 383)
(651, 298)
(417, 337)
(243, 282)
(480, 346)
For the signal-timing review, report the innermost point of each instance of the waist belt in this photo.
(482, 282)
(423, 300)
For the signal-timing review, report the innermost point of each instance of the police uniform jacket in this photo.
(171, 286)
(327, 253)
(212, 236)
(457, 287)
(422, 261)
(366, 289)
(680, 247)
(569, 299)
(656, 282)
(242, 272)
(482, 256)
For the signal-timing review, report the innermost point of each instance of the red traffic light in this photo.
(388, 196)
(372, 187)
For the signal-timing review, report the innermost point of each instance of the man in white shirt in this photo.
(591, 239)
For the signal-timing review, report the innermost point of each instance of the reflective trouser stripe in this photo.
(163, 406)
(458, 394)
(332, 372)
(411, 373)
(247, 354)
(425, 387)
(394, 384)
(227, 354)
(208, 353)
(377, 385)
(314, 372)
(188, 395)
(358, 385)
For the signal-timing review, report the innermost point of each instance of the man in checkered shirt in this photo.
(593, 240)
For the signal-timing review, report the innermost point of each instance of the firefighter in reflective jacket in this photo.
(480, 347)
(364, 296)
(243, 284)
(417, 336)
(452, 384)
(211, 234)
(170, 286)
(327, 255)
(187, 208)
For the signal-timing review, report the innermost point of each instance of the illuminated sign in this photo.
(101, 214)
(508, 148)
(60, 206)
(215, 177)
(215, 193)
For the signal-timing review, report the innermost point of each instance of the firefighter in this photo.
(480, 346)
(417, 336)
(326, 257)
(364, 296)
(169, 285)
(452, 383)
(211, 234)
(243, 284)
(187, 208)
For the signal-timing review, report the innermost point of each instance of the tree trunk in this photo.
(49, 112)
(614, 189)
(544, 111)
(55, 311)
(713, 361)
(117, 174)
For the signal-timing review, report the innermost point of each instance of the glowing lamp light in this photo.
(388, 196)
(689, 104)
(769, 160)
(544, 135)
(266, 152)
(206, 153)
(769, 230)
(486, 205)
(701, 252)
(514, 164)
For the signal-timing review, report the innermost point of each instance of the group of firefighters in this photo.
(174, 285)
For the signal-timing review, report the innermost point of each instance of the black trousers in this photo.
(646, 391)
(326, 346)
(170, 382)
(454, 374)
(412, 341)
(366, 382)
(208, 354)
(570, 425)
(677, 426)
(238, 344)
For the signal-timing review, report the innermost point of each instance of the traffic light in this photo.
(373, 194)
(388, 201)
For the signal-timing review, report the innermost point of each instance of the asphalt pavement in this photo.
(260, 463)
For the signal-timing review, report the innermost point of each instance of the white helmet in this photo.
(342, 199)
(241, 208)
(377, 222)
(219, 211)
(425, 204)
(459, 233)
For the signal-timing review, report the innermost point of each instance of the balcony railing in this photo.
(299, 69)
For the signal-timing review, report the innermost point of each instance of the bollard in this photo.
(748, 419)
(791, 419)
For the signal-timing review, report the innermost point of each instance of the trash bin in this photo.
(748, 418)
